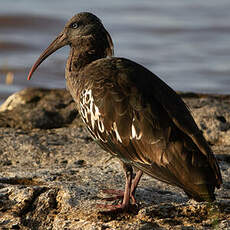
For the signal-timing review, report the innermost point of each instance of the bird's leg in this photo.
(119, 193)
(130, 188)
(128, 183)
(134, 185)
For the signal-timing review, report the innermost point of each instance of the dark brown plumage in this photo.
(133, 114)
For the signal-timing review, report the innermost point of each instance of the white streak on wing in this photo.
(83, 112)
(116, 132)
(101, 126)
(134, 132)
(97, 113)
(91, 113)
(164, 159)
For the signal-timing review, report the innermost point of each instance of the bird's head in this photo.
(78, 30)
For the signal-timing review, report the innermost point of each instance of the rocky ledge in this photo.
(52, 173)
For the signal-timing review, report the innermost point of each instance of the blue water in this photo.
(186, 43)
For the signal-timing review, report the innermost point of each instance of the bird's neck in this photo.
(79, 60)
(84, 53)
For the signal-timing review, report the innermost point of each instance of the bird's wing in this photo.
(139, 113)
(182, 118)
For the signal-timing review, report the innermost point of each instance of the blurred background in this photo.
(186, 43)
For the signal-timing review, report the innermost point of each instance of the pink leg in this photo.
(119, 194)
(130, 188)
(126, 194)
(134, 185)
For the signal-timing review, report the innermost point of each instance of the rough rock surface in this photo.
(52, 172)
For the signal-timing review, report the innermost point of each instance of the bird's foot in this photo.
(128, 200)
(117, 195)
(117, 208)
(125, 206)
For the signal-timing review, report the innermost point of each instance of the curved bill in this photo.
(59, 42)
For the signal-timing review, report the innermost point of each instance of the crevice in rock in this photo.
(40, 210)
(20, 181)
(29, 204)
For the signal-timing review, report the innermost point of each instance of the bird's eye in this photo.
(74, 25)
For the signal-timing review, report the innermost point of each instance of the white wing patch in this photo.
(116, 132)
(91, 115)
(134, 132)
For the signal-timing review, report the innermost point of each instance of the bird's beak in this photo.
(60, 41)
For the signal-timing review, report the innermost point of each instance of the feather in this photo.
(150, 127)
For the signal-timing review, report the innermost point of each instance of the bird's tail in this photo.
(202, 192)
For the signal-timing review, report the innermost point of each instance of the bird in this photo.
(133, 114)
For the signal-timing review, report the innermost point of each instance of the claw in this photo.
(117, 208)
(113, 192)
(117, 194)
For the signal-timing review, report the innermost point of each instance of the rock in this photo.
(212, 114)
(38, 108)
(52, 172)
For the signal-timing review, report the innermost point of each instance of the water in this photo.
(186, 43)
